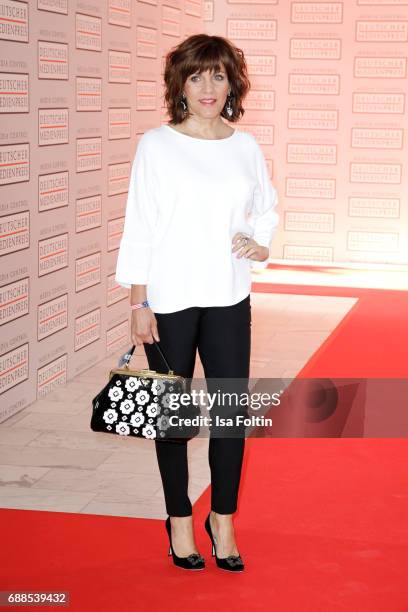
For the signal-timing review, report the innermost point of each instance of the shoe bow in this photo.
(234, 560)
(195, 558)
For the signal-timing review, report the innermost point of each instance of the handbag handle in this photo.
(130, 353)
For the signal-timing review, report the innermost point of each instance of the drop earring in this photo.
(229, 107)
(183, 103)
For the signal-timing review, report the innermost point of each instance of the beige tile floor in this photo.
(357, 275)
(51, 460)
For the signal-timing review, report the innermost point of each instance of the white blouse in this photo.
(187, 198)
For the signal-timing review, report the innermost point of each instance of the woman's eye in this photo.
(196, 76)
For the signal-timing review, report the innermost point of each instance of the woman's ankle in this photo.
(221, 517)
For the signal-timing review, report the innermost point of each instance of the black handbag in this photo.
(144, 404)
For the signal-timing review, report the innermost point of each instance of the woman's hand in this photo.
(144, 326)
(249, 248)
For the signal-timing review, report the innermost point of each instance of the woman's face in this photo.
(206, 93)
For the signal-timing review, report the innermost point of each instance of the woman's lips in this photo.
(207, 102)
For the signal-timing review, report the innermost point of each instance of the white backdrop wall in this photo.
(328, 104)
(80, 83)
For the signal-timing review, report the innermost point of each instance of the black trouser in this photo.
(222, 335)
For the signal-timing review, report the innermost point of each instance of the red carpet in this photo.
(321, 524)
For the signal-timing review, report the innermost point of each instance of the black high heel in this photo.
(233, 563)
(193, 562)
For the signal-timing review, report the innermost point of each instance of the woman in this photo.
(200, 214)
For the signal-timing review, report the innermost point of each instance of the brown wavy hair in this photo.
(199, 53)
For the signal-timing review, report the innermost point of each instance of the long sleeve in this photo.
(135, 250)
(264, 218)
